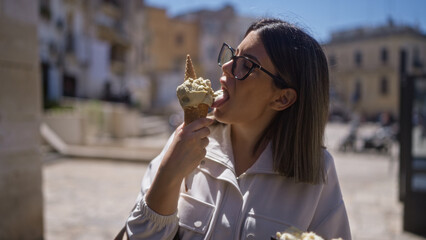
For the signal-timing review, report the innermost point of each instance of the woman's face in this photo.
(249, 100)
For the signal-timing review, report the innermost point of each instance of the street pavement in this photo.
(91, 198)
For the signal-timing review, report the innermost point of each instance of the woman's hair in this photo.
(297, 133)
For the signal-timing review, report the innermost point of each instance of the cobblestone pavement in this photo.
(90, 199)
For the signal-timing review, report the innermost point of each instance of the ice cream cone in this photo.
(189, 69)
(193, 113)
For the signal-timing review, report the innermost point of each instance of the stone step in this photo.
(152, 125)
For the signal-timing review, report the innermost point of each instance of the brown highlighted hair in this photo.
(297, 133)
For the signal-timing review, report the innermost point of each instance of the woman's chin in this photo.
(220, 116)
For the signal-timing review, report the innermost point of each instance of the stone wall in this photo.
(21, 200)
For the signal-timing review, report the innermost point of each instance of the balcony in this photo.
(112, 35)
(118, 59)
(111, 29)
(117, 67)
(111, 9)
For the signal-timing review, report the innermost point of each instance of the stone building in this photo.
(87, 48)
(365, 67)
(168, 40)
(113, 49)
(166, 44)
(21, 199)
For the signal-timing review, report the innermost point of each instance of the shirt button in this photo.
(202, 162)
(198, 224)
(250, 236)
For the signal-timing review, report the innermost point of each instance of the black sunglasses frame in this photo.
(278, 81)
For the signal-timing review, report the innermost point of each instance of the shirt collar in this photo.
(264, 164)
(220, 150)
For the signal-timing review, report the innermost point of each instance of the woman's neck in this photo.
(244, 141)
(245, 136)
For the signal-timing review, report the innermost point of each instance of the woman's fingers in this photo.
(180, 127)
(188, 147)
(201, 133)
(198, 124)
(196, 130)
(204, 142)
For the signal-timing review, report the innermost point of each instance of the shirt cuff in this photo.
(160, 220)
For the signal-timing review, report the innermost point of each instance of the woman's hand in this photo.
(184, 154)
(187, 149)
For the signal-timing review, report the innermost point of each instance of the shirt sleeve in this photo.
(330, 219)
(143, 222)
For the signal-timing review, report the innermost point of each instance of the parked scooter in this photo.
(381, 140)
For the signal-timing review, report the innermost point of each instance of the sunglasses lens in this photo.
(225, 55)
(241, 67)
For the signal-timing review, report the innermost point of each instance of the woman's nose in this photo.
(227, 67)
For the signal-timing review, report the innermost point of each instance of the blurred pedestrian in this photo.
(349, 142)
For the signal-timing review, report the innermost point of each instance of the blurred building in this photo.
(114, 50)
(365, 67)
(87, 49)
(216, 27)
(167, 41)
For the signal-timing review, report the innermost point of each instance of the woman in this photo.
(264, 168)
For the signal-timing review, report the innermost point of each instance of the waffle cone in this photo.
(189, 69)
(194, 113)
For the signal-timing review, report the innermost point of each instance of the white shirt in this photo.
(256, 205)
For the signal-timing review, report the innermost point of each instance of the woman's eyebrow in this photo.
(251, 57)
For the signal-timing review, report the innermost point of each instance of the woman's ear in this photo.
(284, 99)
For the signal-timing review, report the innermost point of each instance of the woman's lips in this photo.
(221, 99)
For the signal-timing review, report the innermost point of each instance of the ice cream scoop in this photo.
(195, 94)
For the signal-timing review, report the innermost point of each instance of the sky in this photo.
(318, 17)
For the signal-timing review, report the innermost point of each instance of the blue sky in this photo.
(319, 17)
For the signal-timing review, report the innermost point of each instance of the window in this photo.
(332, 61)
(212, 28)
(358, 58)
(113, 2)
(117, 53)
(142, 54)
(384, 55)
(70, 43)
(44, 9)
(417, 63)
(384, 86)
(357, 92)
(177, 63)
(179, 39)
(69, 86)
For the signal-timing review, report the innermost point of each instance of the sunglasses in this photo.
(242, 66)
